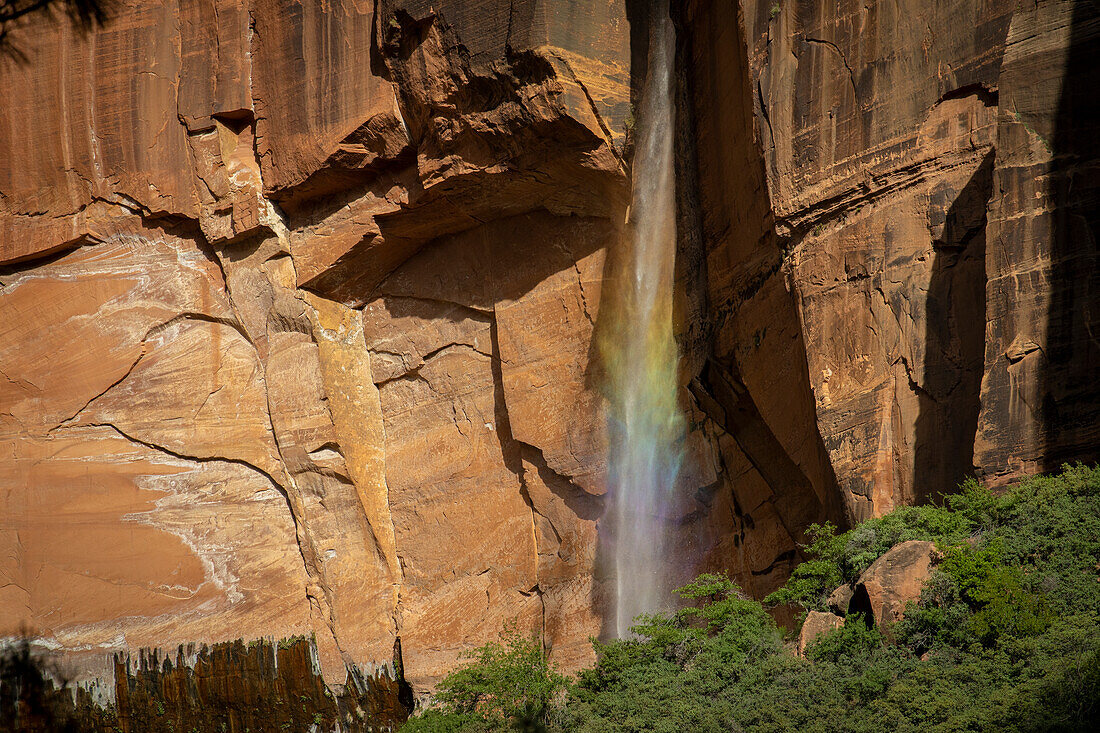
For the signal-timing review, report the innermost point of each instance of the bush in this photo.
(833, 560)
(671, 676)
(813, 580)
(855, 639)
(507, 685)
(1005, 637)
(940, 619)
(30, 700)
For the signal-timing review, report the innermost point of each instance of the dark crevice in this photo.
(861, 605)
(102, 392)
(200, 317)
(726, 400)
(913, 385)
(764, 114)
(150, 333)
(512, 452)
(843, 60)
(583, 504)
(468, 311)
(414, 373)
(988, 96)
(783, 559)
(189, 457)
(404, 689)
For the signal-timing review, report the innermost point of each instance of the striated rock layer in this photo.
(297, 309)
(299, 303)
(895, 207)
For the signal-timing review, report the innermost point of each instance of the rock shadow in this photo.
(1070, 380)
(954, 340)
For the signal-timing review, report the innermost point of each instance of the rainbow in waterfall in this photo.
(647, 427)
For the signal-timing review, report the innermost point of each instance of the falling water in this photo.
(647, 426)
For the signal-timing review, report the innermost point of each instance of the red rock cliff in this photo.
(298, 301)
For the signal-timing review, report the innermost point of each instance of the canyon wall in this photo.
(300, 303)
(297, 303)
(898, 207)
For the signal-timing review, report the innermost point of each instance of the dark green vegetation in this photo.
(229, 687)
(507, 686)
(1006, 637)
(30, 699)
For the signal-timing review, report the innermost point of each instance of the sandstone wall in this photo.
(299, 302)
(914, 223)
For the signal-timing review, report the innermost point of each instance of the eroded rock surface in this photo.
(300, 303)
(893, 197)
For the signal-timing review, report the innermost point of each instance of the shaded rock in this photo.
(839, 599)
(1040, 397)
(817, 624)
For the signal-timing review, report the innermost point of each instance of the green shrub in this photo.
(856, 638)
(507, 684)
(939, 620)
(872, 539)
(833, 560)
(813, 580)
(1005, 637)
(660, 679)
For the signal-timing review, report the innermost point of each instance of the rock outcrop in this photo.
(299, 302)
(891, 200)
(892, 582)
(839, 599)
(880, 595)
(817, 623)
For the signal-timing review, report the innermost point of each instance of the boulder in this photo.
(892, 581)
(816, 624)
(839, 600)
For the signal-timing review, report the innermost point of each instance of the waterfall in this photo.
(647, 427)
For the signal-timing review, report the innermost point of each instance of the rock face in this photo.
(299, 302)
(890, 201)
(839, 599)
(297, 307)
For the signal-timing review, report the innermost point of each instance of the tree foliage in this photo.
(31, 700)
(1005, 637)
(506, 685)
